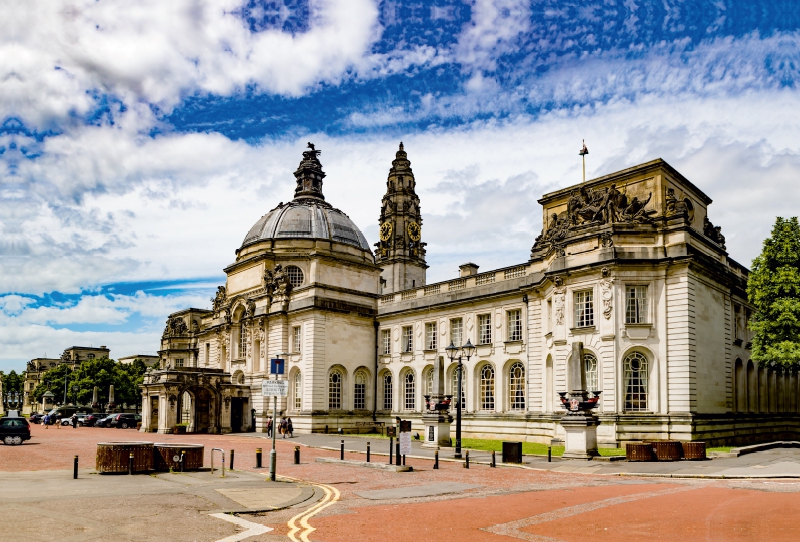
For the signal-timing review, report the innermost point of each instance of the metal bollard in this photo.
(183, 458)
(436, 459)
(367, 452)
(326, 429)
(404, 460)
(494, 464)
(297, 455)
(75, 468)
(391, 450)
(130, 464)
(258, 458)
(549, 454)
(222, 452)
(466, 460)
(341, 451)
(232, 452)
(397, 452)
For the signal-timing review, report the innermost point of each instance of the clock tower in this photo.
(400, 252)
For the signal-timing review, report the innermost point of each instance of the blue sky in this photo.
(141, 140)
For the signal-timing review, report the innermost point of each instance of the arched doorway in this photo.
(203, 405)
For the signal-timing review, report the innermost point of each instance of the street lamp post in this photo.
(454, 351)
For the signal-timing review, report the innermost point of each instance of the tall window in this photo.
(360, 391)
(455, 391)
(584, 308)
(430, 336)
(408, 339)
(243, 341)
(485, 329)
(592, 384)
(410, 391)
(487, 387)
(429, 382)
(387, 391)
(456, 327)
(335, 390)
(635, 368)
(514, 318)
(636, 304)
(298, 391)
(516, 386)
(295, 275)
(386, 341)
(296, 339)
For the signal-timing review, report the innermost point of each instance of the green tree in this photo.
(53, 380)
(773, 287)
(12, 381)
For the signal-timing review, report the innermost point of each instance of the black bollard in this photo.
(258, 458)
(367, 452)
(297, 455)
(436, 459)
(549, 454)
(231, 468)
(391, 450)
(404, 460)
(466, 459)
(75, 468)
(183, 458)
(326, 429)
(397, 452)
(494, 464)
(130, 464)
(341, 452)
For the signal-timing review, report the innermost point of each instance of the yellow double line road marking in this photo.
(332, 495)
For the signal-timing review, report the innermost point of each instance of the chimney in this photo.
(468, 269)
(103, 347)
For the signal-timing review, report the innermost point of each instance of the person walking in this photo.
(46, 421)
(289, 427)
(269, 427)
(283, 427)
(74, 421)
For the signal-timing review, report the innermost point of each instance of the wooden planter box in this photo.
(667, 450)
(694, 451)
(164, 456)
(639, 451)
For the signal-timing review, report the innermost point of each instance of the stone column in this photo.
(436, 416)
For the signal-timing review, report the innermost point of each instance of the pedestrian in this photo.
(289, 427)
(74, 421)
(58, 423)
(46, 421)
(269, 427)
(283, 427)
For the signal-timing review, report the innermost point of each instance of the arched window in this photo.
(186, 407)
(387, 391)
(295, 275)
(335, 390)
(410, 391)
(635, 369)
(592, 384)
(298, 391)
(360, 391)
(243, 341)
(429, 382)
(455, 390)
(516, 386)
(487, 387)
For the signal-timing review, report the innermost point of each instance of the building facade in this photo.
(629, 264)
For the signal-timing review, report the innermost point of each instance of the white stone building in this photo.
(628, 264)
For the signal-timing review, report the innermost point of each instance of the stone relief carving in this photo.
(250, 308)
(218, 301)
(606, 240)
(606, 292)
(276, 283)
(558, 304)
(713, 232)
(175, 327)
(262, 337)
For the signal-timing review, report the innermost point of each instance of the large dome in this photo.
(308, 215)
(306, 219)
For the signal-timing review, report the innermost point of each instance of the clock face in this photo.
(414, 231)
(386, 231)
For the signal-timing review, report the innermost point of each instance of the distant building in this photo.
(151, 360)
(72, 356)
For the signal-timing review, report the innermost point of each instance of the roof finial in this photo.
(583, 152)
(401, 145)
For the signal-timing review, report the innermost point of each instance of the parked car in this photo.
(124, 421)
(14, 431)
(89, 420)
(35, 418)
(104, 420)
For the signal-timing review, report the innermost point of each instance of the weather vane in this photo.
(583, 152)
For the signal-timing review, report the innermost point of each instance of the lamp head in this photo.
(468, 349)
(452, 351)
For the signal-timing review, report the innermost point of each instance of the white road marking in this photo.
(253, 529)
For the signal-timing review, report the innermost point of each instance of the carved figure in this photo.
(713, 232)
(175, 327)
(250, 308)
(277, 283)
(558, 305)
(218, 300)
(606, 292)
(636, 212)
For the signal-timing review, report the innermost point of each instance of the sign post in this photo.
(275, 388)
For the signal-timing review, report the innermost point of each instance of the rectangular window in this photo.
(430, 336)
(297, 338)
(636, 304)
(514, 325)
(485, 329)
(584, 308)
(386, 341)
(387, 392)
(408, 339)
(456, 327)
(179, 362)
(242, 341)
(550, 315)
(208, 354)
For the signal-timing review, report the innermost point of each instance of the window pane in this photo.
(487, 388)
(360, 391)
(386, 341)
(516, 386)
(410, 391)
(456, 326)
(584, 308)
(515, 325)
(430, 336)
(243, 341)
(408, 339)
(636, 305)
(296, 338)
(298, 392)
(335, 390)
(455, 390)
(635, 369)
(591, 371)
(387, 392)
(485, 328)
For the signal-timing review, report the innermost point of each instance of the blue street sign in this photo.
(276, 366)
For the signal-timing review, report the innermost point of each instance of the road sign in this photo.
(276, 366)
(391, 431)
(405, 426)
(405, 443)
(279, 388)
